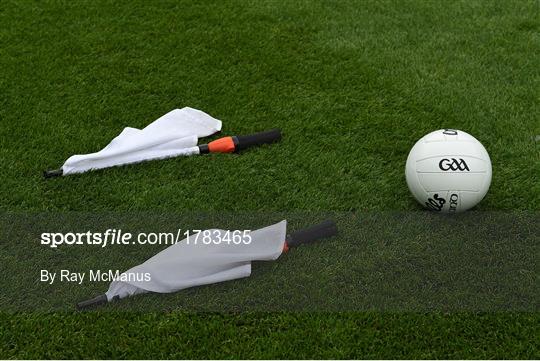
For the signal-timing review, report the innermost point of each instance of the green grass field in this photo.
(352, 84)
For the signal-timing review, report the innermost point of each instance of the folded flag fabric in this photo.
(174, 134)
(196, 261)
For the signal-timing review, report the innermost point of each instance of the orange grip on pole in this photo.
(222, 145)
(285, 247)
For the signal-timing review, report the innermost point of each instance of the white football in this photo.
(448, 171)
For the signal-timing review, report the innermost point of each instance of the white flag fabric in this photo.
(199, 260)
(174, 134)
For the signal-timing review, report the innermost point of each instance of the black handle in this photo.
(99, 300)
(53, 173)
(246, 141)
(325, 229)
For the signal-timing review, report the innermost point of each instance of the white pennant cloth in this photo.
(198, 262)
(174, 134)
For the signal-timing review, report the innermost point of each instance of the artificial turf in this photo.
(352, 85)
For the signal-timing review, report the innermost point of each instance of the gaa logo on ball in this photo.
(453, 164)
(448, 171)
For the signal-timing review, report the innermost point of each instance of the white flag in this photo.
(174, 134)
(201, 259)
